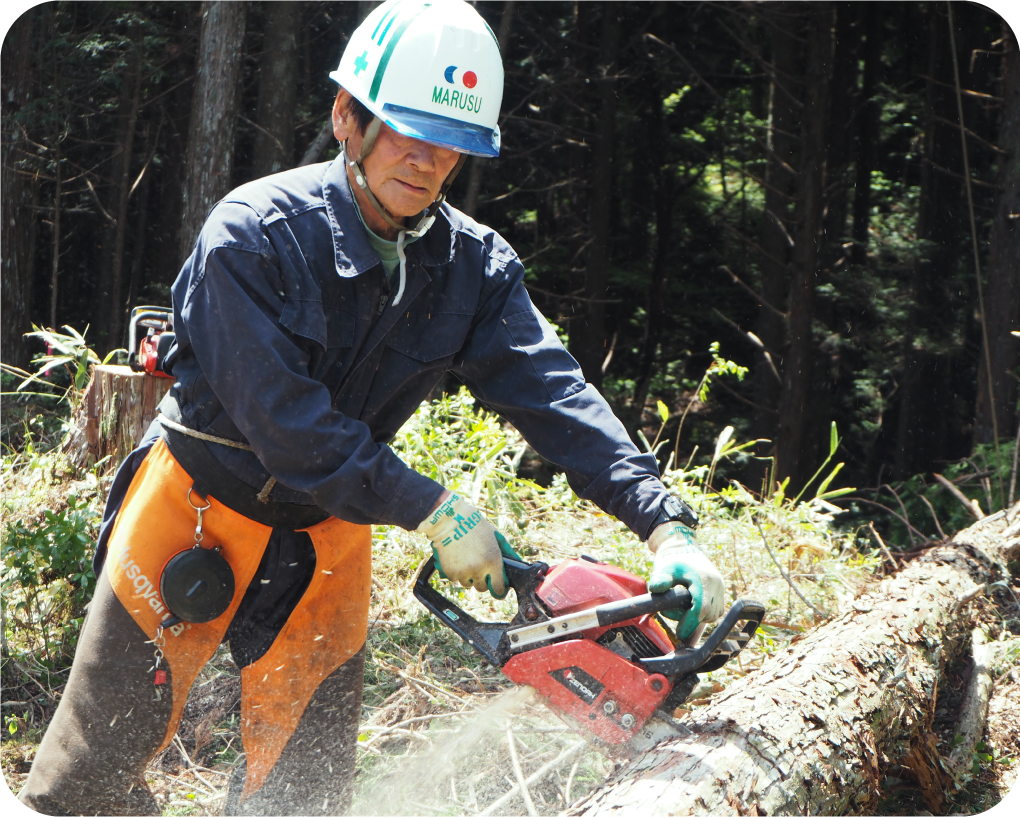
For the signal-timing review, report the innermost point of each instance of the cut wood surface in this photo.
(114, 412)
(814, 728)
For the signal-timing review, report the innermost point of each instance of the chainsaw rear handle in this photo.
(519, 575)
(484, 636)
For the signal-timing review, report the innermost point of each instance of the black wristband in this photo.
(674, 509)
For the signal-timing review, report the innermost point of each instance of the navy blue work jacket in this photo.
(287, 338)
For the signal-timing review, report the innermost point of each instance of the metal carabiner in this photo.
(199, 536)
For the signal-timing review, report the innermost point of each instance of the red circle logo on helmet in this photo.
(470, 79)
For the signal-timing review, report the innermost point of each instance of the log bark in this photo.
(974, 708)
(114, 412)
(813, 729)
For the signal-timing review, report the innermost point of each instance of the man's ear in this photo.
(341, 116)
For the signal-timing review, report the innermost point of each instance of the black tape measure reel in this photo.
(197, 585)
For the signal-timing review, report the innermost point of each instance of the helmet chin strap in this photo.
(425, 218)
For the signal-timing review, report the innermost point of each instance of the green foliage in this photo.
(60, 547)
(720, 366)
(47, 579)
(821, 492)
(982, 755)
(65, 350)
(467, 450)
(921, 499)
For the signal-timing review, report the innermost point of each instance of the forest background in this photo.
(792, 181)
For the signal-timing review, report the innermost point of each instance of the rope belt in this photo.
(263, 495)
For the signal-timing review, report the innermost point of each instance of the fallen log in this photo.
(974, 707)
(813, 729)
(114, 412)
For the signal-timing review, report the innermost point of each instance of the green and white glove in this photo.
(467, 548)
(678, 560)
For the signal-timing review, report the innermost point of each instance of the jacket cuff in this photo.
(412, 501)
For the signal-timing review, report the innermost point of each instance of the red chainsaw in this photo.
(147, 353)
(588, 638)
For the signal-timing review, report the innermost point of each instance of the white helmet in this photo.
(429, 70)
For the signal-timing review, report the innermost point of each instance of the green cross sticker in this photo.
(360, 64)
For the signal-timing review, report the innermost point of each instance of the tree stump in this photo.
(114, 412)
(812, 730)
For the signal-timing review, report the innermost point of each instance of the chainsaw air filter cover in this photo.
(197, 585)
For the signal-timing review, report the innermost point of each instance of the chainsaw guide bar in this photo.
(588, 638)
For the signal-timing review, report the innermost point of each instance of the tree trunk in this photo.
(140, 231)
(58, 195)
(164, 256)
(921, 430)
(1002, 295)
(810, 732)
(114, 412)
(841, 106)
(274, 141)
(116, 306)
(664, 185)
(588, 333)
(793, 434)
(16, 280)
(873, 20)
(210, 157)
(474, 185)
(769, 327)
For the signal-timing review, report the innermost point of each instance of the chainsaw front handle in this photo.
(729, 637)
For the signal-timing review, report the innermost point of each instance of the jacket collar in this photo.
(353, 254)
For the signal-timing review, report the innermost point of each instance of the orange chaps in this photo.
(327, 627)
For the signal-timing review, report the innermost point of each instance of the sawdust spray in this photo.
(422, 782)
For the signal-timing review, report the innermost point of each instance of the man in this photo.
(319, 308)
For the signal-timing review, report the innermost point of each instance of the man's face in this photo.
(404, 174)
